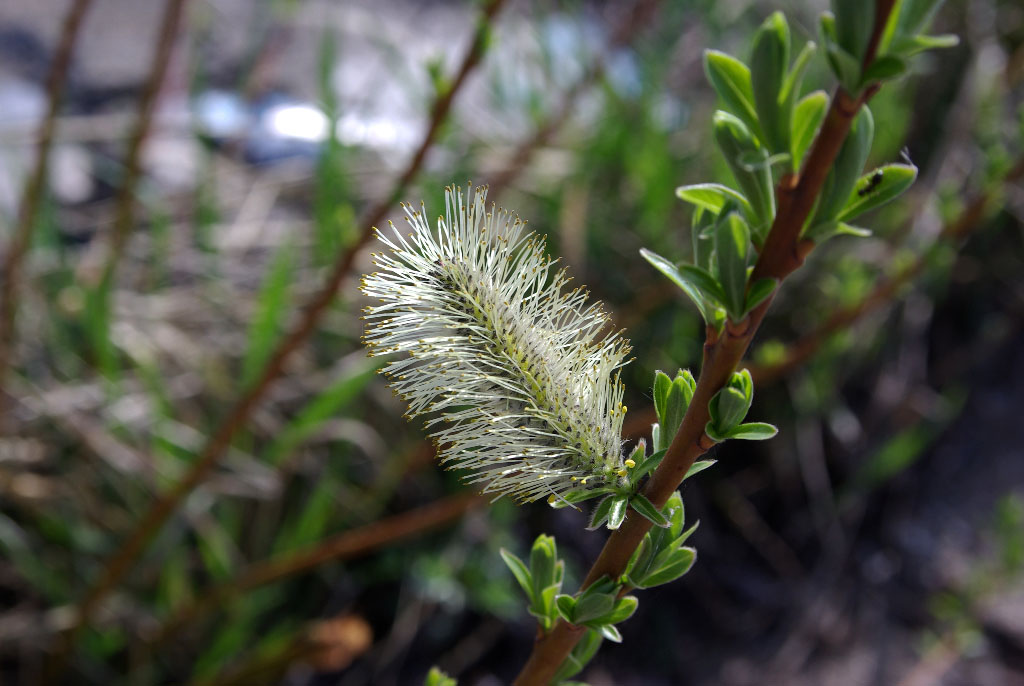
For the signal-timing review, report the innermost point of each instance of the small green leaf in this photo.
(769, 62)
(662, 386)
(648, 464)
(611, 633)
(543, 563)
(675, 564)
(884, 68)
(675, 410)
(730, 409)
(675, 513)
(877, 188)
(581, 654)
(849, 163)
(854, 20)
(791, 86)
(712, 197)
(617, 512)
(579, 496)
(753, 431)
(739, 147)
(645, 508)
(519, 571)
(698, 285)
(759, 292)
(732, 245)
(623, 610)
(591, 606)
(698, 467)
(272, 305)
(731, 80)
(601, 513)
(566, 606)
(909, 46)
(435, 677)
(807, 118)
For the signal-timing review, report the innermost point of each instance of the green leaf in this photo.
(914, 16)
(544, 563)
(581, 654)
(267, 320)
(648, 464)
(645, 508)
(591, 606)
(623, 610)
(849, 164)
(844, 66)
(572, 497)
(673, 565)
(675, 410)
(566, 606)
(769, 62)
(662, 386)
(877, 188)
(731, 80)
(753, 431)
(617, 512)
(884, 68)
(911, 45)
(435, 677)
(807, 118)
(611, 633)
(519, 571)
(325, 405)
(854, 21)
(819, 233)
(698, 467)
(701, 236)
(739, 147)
(759, 292)
(730, 409)
(601, 513)
(732, 245)
(713, 197)
(791, 86)
(698, 285)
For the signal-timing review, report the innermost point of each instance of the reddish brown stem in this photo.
(167, 504)
(783, 252)
(344, 546)
(32, 196)
(124, 206)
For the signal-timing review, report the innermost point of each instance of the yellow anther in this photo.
(630, 463)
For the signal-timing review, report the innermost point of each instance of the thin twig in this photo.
(783, 252)
(344, 546)
(124, 206)
(35, 184)
(167, 504)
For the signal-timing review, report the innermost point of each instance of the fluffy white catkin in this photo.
(514, 369)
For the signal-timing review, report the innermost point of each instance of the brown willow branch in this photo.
(167, 504)
(344, 546)
(124, 205)
(885, 290)
(783, 252)
(33, 193)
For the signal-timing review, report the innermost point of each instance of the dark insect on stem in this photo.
(872, 183)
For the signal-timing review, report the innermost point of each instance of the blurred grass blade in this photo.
(320, 409)
(269, 315)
